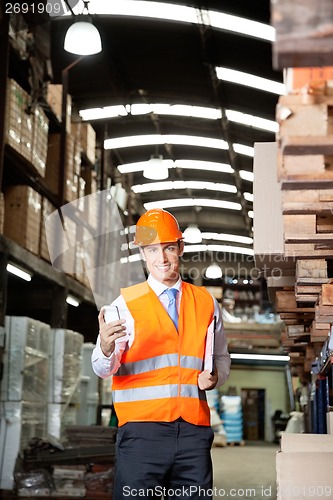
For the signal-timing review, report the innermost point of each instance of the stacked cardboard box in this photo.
(23, 216)
(86, 136)
(304, 466)
(16, 103)
(27, 128)
(54, 99)
(52, 174)
(39, 140)
(90, 179)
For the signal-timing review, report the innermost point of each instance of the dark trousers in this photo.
(163, 459)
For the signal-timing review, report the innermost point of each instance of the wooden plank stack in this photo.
(304, 165)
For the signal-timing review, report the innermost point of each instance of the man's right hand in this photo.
(109, 332)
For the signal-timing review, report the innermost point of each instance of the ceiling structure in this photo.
(156, 61)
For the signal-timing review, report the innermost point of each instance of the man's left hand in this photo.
(206, 380)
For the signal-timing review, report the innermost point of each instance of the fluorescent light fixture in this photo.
(246, 176)
(192, 202)
(186, 140)
(248, 196)
(218, 248)
(234, 238)
(213, 272)
(192, 234)
(102, 113)
(72, 301)
(169, 185)
(178, 110)
(257, 82)
(209, 166)
(155, 168)
(155, 139)
(241, 26)
(184, 14)
(243, 150)
(83, 38)
(129, 168)
(19, 271)
(252, 121)
(261, 357)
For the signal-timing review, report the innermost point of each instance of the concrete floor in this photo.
(245, 471)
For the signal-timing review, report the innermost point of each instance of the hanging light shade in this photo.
(155, 168)
(213, 272)
(83, 38)
(192, 234)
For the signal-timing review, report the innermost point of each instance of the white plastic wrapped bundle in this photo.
(232, 417)
(26, 359)
(65, 366)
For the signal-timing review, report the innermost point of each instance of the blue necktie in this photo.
(172, 307)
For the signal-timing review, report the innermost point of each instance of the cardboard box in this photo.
(86, 136)
(39, 140)
(304, 466)
(54, 100)
(16, 100)
(23, 216)
(306, 442)
(304, 475)
(52, 172)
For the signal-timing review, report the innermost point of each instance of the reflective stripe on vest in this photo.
(157, 362)
(158, 392)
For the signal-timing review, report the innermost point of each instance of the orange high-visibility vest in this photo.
(158, 377)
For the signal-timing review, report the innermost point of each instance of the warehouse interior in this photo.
(221, 113)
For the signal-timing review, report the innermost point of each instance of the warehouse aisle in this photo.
(245, 471)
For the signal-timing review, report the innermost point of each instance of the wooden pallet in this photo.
(236, 443)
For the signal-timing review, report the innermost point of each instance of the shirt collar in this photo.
(159, 287)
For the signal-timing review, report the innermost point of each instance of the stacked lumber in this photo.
(305, 169)
(304, 178)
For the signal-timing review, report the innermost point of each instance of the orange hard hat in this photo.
(157, 226)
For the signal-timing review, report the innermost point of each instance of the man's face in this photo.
(163, 261)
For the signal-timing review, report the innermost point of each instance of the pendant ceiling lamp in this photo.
(213, 272)
(192, 234)
(82, 37)
(156, 168)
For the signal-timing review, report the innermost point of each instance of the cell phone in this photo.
(111, 313)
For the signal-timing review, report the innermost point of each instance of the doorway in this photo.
(253, 404)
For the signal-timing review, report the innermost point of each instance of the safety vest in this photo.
(157, 380)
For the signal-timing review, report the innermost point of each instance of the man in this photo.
(157, 354)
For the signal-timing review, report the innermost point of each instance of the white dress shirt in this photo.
(105, 366)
